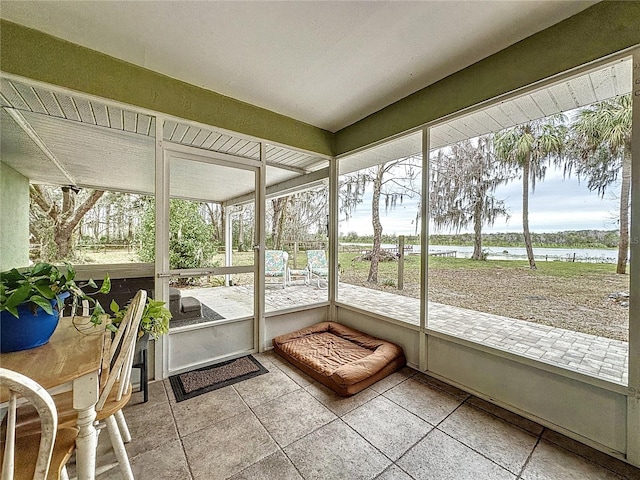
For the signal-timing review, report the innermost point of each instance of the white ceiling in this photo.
(325, 63)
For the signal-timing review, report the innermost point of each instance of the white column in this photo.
(633, 398)
(333, 238)
(260, 239)
(161, 363)
(228, 240)
(424, 251)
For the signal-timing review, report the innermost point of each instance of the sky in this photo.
(557, 204)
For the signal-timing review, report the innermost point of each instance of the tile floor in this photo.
(283, 425)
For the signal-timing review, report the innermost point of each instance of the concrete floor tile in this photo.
(388, 427)
(292, 416)
(394, 379)
(265, 387)
(439, 456)
(430, 404)
(207, 409)
(335, 451)
(274, 467)
(618, 466)
(295, 374)
(165, 462)
(524, 423)
(150, 426)
(501, 441)
(551, 462)
(157, 394)
(337, 404)
(440, 385)
(393, 473)
(228, 447)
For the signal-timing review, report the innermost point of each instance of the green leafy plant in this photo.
(40, 285)
(155, 317)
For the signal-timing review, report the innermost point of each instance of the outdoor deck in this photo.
(598, 357)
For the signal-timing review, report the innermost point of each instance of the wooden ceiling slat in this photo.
(115, 117)
(583, 90)
(85, 111)
(499, 116)
(603, 84)
(129, 121)
(201, 137)
(528, 107)
(179, 133)
(101, 114)
(49, 102)
(168, 128)
(545, 102)
(29, 96)
(143, 124)
(12, 95)
(68, 107)
(219, 142)
(208, 143)
(190, 134)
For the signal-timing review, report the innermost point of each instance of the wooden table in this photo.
(70, 361)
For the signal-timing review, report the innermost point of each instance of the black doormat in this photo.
(196, 382)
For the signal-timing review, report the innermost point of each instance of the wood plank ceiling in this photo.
(79, 137)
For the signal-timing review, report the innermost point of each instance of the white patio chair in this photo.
(275, 265)
(40, 453)
(317, 265)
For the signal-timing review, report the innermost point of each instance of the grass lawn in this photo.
(568, 295)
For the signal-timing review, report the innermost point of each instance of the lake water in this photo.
(592, 255)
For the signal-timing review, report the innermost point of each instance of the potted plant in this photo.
(31, 300)
(154, 322)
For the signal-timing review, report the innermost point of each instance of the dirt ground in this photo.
(582, 306)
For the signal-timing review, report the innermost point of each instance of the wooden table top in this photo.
(70, 354)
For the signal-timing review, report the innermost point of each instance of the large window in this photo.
(529, 223)
(297, 210)
(379, 229)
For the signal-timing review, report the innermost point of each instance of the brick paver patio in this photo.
(599, 357)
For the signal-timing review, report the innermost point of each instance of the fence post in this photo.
(401, 262)
(295, 255)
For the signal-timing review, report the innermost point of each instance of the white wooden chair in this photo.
(115, 386)
(41, 453)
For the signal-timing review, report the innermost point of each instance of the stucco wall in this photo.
(14, 219)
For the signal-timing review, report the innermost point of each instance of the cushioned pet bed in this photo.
(340, 357)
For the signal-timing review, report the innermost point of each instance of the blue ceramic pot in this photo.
(29, 331)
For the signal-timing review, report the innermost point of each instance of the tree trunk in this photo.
(277, 204)
(241, 232)
(63, 237)
(281, 222)
(625, 189)
(477, 231)
(525, 213)
(377, 226)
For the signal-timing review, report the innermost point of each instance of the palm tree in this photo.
(601, 144)
(530, 147)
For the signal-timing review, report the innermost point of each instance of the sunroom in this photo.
(76, 118)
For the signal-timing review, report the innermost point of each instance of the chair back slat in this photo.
(123, 347)
(22, 386)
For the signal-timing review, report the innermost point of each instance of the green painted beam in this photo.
(36, 55)
(600, 30)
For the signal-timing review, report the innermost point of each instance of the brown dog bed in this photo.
(343, 359)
